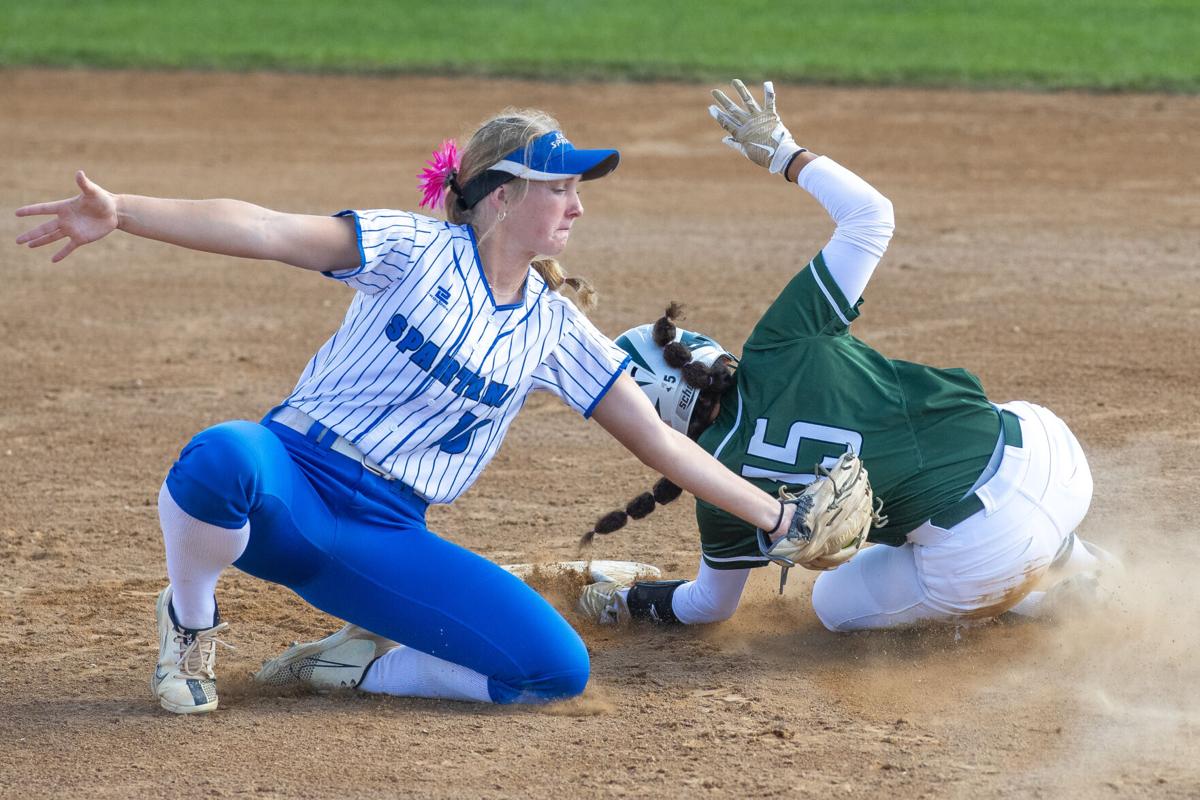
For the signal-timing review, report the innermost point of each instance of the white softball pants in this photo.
(983, 565)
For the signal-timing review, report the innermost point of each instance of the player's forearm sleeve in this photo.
(864, 221)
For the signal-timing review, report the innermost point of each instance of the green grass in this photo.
(1095, 44)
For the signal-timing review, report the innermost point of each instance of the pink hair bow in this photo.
(433, 180)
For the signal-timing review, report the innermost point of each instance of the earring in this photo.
(500, 217)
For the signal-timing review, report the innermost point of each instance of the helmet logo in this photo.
(685, 397)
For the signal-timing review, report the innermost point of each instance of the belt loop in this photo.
(1011, 424)
(969, 506)
(314, 432)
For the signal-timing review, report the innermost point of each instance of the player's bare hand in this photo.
(90, 215)
(755, 131)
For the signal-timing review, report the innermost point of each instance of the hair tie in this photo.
(440, 173)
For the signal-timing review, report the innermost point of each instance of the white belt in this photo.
(303, 424)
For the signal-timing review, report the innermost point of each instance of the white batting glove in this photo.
(754, 131)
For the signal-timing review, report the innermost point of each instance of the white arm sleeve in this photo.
(712, 597)
(864, 220)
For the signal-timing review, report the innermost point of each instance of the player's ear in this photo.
(498, 202)
(501, 196)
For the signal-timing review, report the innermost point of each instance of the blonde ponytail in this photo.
(552, 273)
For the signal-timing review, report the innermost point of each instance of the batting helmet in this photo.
(673, 398)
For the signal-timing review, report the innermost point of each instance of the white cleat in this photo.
(184, 680)
(603, 603)
(601, 600)
(338, 661)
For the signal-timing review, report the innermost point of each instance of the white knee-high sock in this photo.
(405, 672)
(712, 597)
(197, 552)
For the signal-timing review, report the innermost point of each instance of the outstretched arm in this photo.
(863, 216)
(226, 227)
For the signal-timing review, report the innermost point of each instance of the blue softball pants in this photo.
(356, 546)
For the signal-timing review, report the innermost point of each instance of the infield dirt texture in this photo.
(1047, 242)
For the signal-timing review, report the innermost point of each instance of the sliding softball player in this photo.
(979, 500)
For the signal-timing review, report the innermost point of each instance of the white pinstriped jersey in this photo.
(426, 372)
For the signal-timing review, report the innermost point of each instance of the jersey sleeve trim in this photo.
(736, 562)
(362, 256)
(587, 414)
(845, 311)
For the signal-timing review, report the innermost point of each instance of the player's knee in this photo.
(823, 603)
(561, 673)
(217, 475)
(564, 674)
(837, 602)
(568, 683)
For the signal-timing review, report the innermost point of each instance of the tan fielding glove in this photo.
(755, 132)
(833, 516)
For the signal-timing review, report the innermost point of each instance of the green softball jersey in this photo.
(807, 390)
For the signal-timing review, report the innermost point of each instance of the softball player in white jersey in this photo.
(981, 500)
(449, 331)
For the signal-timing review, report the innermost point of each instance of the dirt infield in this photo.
(1047, 242)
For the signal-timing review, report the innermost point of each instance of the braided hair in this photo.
(711, 379)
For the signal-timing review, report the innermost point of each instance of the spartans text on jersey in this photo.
(447, 371)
